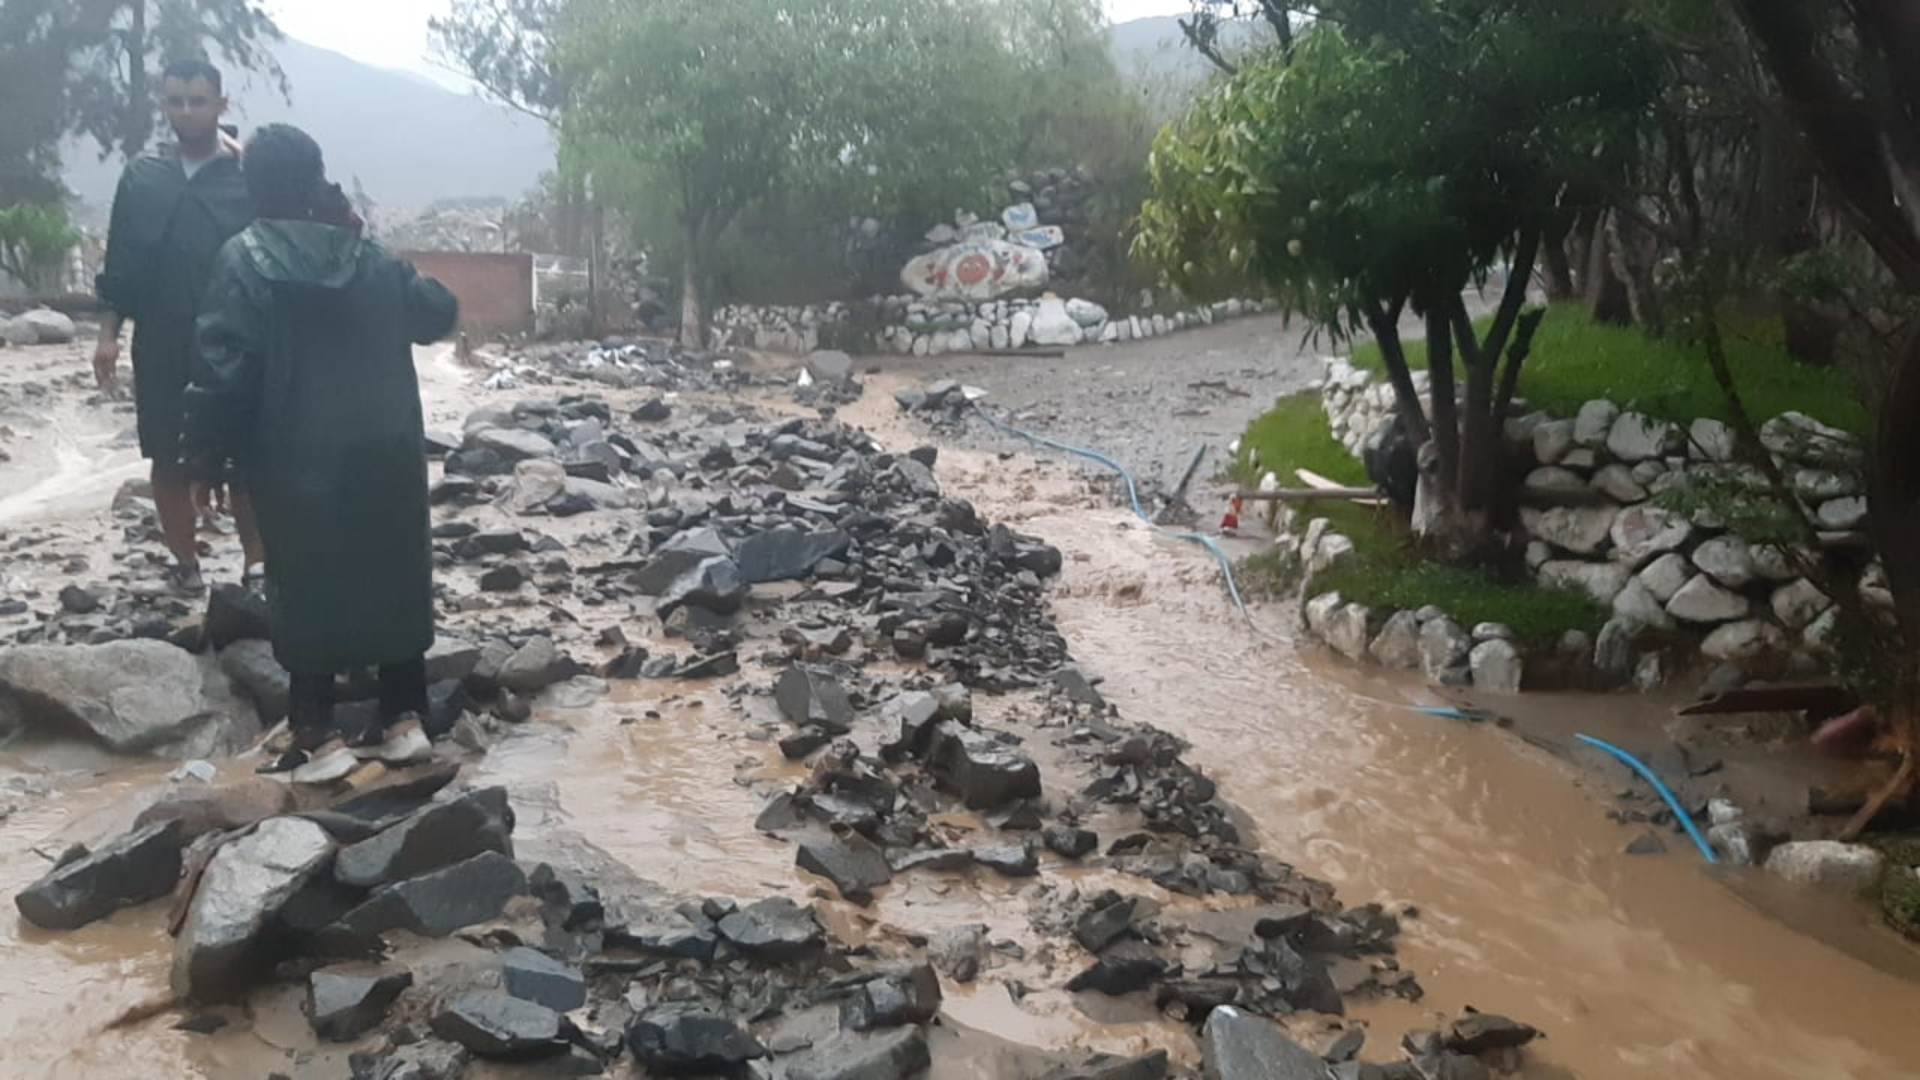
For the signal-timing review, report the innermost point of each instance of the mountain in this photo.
(1153, 52)
(408, 140)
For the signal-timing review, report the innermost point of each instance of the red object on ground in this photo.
(1230, 521)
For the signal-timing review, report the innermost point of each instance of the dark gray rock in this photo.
(495, 1025)
(791, 446)
(1122, 968)
(804, 742)
(235, 614)
(507, 577)
(830, 366)
(1154, 1066)
(1013, 860)
(75, 600)
(774, 929)
(893, 1000)
(808, 696)
(1095, 930)
(1480, 1033)
(533, 667)
(429, 1060)
(141, 866)
(1070, 843)
(984, 773)
(673, 940)
(344, 1007)
(785, 553)
(1647, 843)
(222, 947)
(896, 1055)
(534, 976)
(854, 864)
(436, 837)
(692, 1044)
(653, 411)
(1237, 1046)
(715, 585)
(440, 903)
(685, 551)
(959, 952)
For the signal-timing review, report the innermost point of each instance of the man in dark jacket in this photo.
(171, 214)
(306, 383)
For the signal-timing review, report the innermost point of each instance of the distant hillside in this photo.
(409, 141)
(1154, 53)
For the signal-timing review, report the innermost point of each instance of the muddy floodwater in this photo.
(1526, 904)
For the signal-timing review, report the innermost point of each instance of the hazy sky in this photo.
(393, 33)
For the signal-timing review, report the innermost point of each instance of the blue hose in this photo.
(1133, 498)
(1646, 774)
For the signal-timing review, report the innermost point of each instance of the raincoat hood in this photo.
(304, 253)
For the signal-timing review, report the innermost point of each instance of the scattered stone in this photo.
(344, 1007)
(219, 809)
(1647, 843)
(218, 955)
(511, 444)
(75, 600)
(979, 769)
(1238, 1046)
(775, 929)
(1483, 1033)
(893, 1000)
(1726, 559)
(533, 667)
(715, 585)
(1444, 649)
(854, 864)
(1828, 864)
(1013, 860)
(436, 837)
(894, 1055)
(1097, 929)
(811, 697)
(1122, 968)
(507, 577)
(440, 903)
(141, 866)
(1070, 843)
(959, 952)
(1496, 667)
(495, 1025)
(679, 555)
(49, 327)
(1701, 601)
(531, 975)
(786, 553)
(692, 1044)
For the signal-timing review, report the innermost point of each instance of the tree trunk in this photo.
(1606, 293)
(1445, 407)
(1386, 331)
(136, 124)
(1559, 272)
(693, 314)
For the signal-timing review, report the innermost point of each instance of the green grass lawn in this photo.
(1576, 360)
(1386, 571)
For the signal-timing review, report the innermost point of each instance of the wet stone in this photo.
(1122, 969)
(1480, 1033)
(534, 976)
(1238, 1046)
(344, 1007)
(808, 696)
(786, 553)
(1095, 930)
(893, 1000)
(434, 838)
(440, 903)
(235, 614)
(219, 953)
(692, 1044)
(804, 742)
(683, 553)
(1154, 1066)
(1070, 843)
(495, 1025)
(980, 770)
(774, 929)
(141, 866)
(1647, 843)
(1013, 860)
(894, 1055)
(429, 1060)
(506, 577)
(959, 952)
(715, 585)
(854, 864)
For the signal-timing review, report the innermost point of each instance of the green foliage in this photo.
(1746, 509)
(1576, 360)
(1538, 615)
(33, 240)
(507, 47)
(1293, 435)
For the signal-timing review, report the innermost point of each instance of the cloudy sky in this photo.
(393, 33)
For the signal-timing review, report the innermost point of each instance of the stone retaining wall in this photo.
(910, 325)
(1630, 510)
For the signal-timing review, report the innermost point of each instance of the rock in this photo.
(1817, 485)
(17, 332)
(1097, 929)
(495, 1025)
(893, 1000)
(1665, 575)
(1552, 440)
(811, 697)
(786, 553)
(220, 809)
(958, 952)
(1347, 631)
(1828, 864)
(1701, 601)
(854, 864)
(1398, 644)
(511, 444)
(1013, 860)
(1636, 437)
(1583, 530)
(775, 929)
(685, 551)
(1726, 559)
(1492, 631)
(1616, 482)
(1594, 424)
(219, 952)
(135, 696)
(437, 836)
(1444, 647)
(439, 903)
(141, 866)
(1052, 325)
(49, 327)
(75, 600)
(1602, 581)
(896, 1055)
(1842, 515)
(1238, 1046)
(532, 486)
(830, 366)
(1641, 532)
(716, 585)
(1711, 440)
(979, 769)
(254, 669)
(1020, 329)
(1800, 438)
(344, 1007)
(1647, 843)
(1086, 312)
(533, 667)
(692, 1044)
(451, 658)
(1551, 480)
(1070, 843)
(531, 975)
(653, 411)
(507, 577)
(1798, 604)
(1123, 968)
(1496, 667)
(1637, 602)
(1747, 639)
(1613, 650)
(1483, 1033)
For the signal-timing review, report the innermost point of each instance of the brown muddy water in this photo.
(1635, 967)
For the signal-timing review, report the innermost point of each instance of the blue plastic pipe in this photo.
(1133, 498)
(1647, 774)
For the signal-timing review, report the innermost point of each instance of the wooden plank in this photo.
(1359, 495)
(1818, 699)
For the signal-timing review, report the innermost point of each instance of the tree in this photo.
(1394, 154)
(690, 114)
(507, 47)
(32, 70)
(33, 241)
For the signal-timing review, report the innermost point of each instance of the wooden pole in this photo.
(1311, 494)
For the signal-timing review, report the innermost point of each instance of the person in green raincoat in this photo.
(306, 385)
(171, 214)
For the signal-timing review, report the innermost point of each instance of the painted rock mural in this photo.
(1043, 237)
(975, 270)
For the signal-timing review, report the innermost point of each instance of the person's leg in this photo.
(173, 501)
(319, 754)
(402, 737)
(253, 548)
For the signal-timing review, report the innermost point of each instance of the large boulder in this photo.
(440, 835)
(258, 674)
(1239, 1046)
(141, 866)
(1582, 530)
(1640, 533)
(1444, 650)
(1635, 437)
(135, 696)
(1398, 644)
(511, 444)
(1828, 864)
(1701, 601)
(436, 904)
(1052, 325)
(222, 948)
(49, 327)
(1496, 667)
(1600, 580)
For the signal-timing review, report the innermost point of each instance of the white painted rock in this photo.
(1827, 864)
(1701, 601)
(1331, 549)
(1347, 631)
(1773, 562)
(1582, 530)
(1664, 575)
(1798, 604)
(1616, 482)
(1637, 602)
(1710, 440)
(1798, 437)
(49, 327)
(1637, 437)
(1020, 328)
(1595, 423)
(1600, 580)
(1841, 515)
(1444, 648)
(1551, 479)
(1641, 532)
(1727, 559)
(1538, 554)
(1086, 312)
(1496, 667)
(1398, 644)
(1743, 640)
(1492, 631)
(1816, 485)
(1819, 632)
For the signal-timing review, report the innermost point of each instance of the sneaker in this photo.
(186, 580)
(254, 580)
(403, 743)
(328, 765)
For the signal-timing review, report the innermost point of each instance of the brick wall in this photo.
(495, 290)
